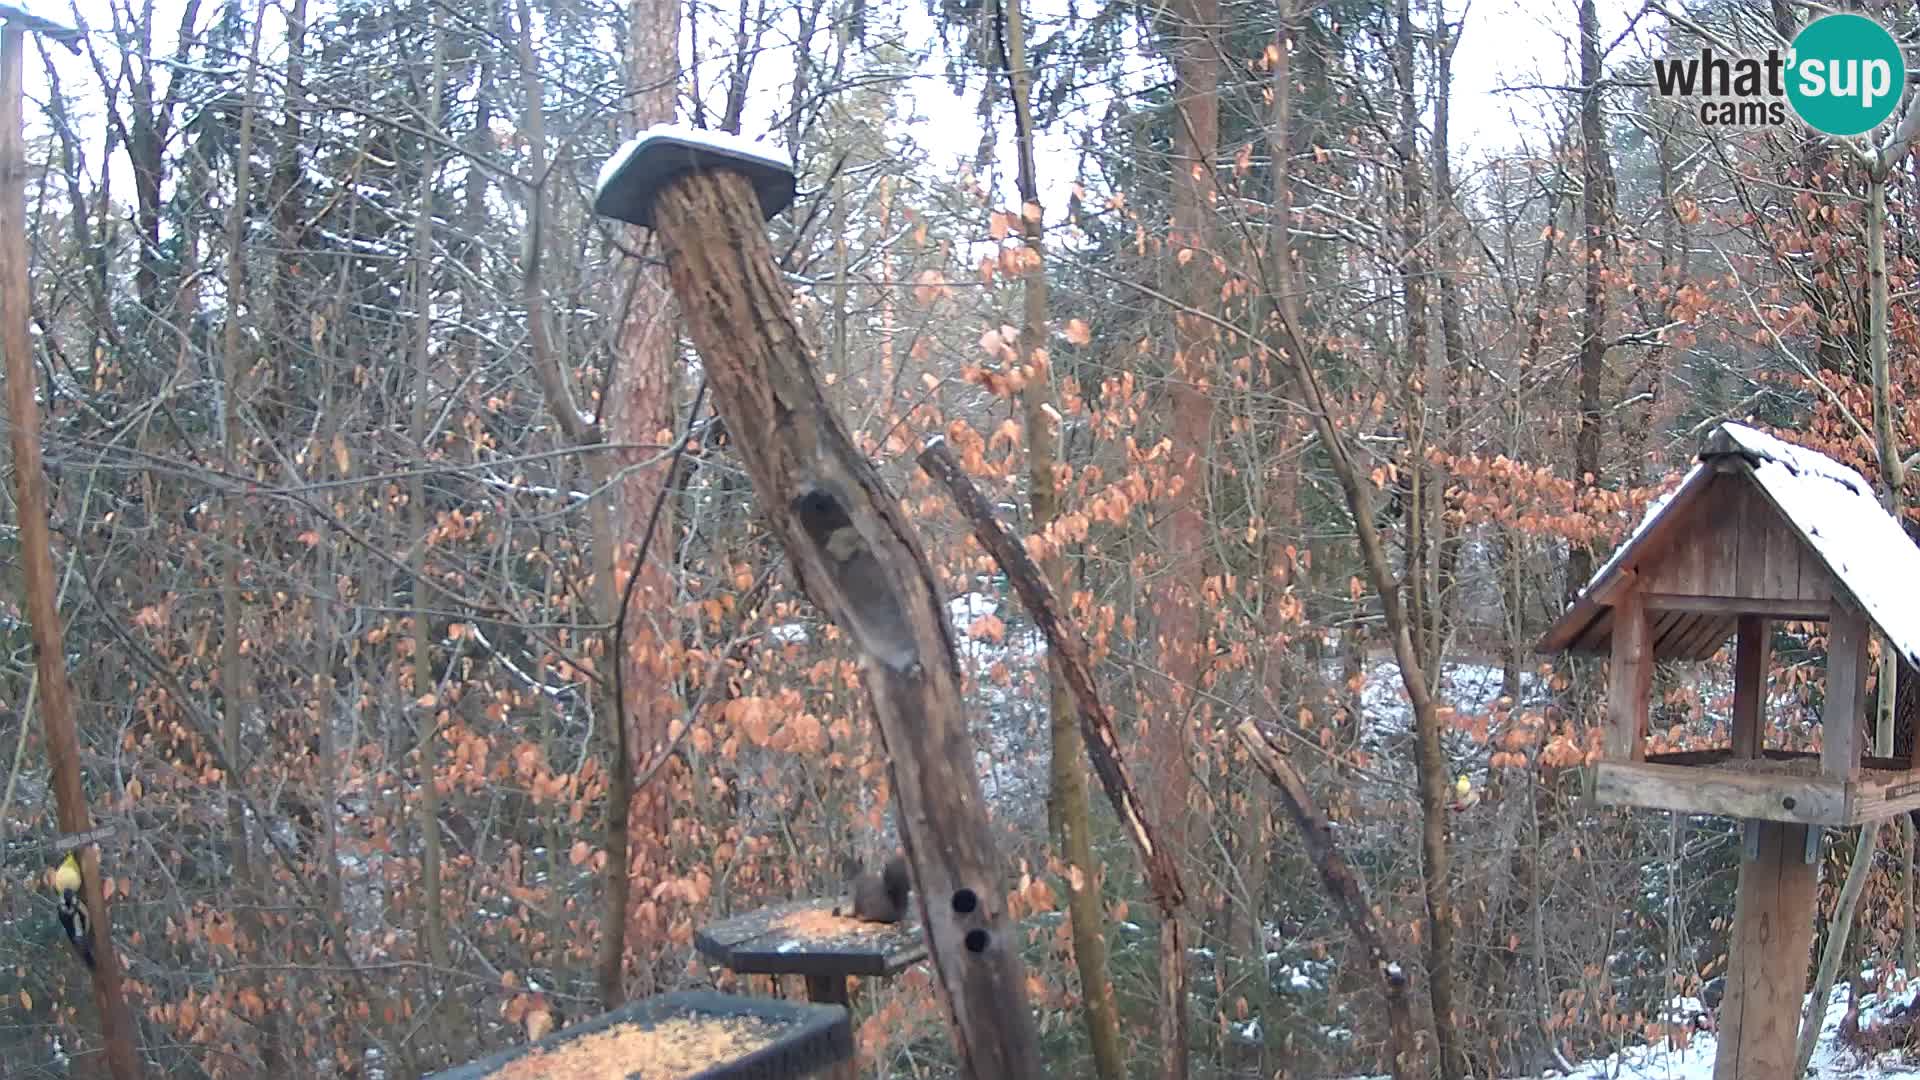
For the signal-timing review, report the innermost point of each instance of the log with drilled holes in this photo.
(849, 542)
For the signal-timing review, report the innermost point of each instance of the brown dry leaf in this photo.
(539, 1024)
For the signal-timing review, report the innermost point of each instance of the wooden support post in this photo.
(857, 556)
(832, 990)
(1767, 969)
(1752, 655)
(1631, 679)
(117, 1029)
(1840, 721)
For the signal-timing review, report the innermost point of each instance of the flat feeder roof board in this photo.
(1757, 525)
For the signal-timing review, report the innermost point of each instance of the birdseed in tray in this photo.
(671, 1049)
(692, 1035)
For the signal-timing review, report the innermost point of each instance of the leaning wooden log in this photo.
(707, 197)
(1096, 725)
(1347, 893)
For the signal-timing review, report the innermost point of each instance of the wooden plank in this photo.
(832, 990)
(1630, 680)
(1669, 627)
(1597, 638)
(1808, 800)
(1879, 799)
(1693, 758)
(1752, 655)
(1740, 605)
(1787, 554)
(1753, 522)
(1722, 754)
(1707, 637)
(1655, 546)
(1841, 736)
(1767, 971)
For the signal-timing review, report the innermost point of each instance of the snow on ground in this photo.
(1832, 1060)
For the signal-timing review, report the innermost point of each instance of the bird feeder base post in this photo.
(1772, 934)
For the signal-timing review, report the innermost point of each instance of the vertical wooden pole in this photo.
(1840, 727)
(36, 555)
(1767, 971)
(832, 990)
(1631, 678)
(1752, 653)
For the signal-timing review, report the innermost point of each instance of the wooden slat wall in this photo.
(1740, 547)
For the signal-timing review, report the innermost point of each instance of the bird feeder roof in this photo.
(1823, 509)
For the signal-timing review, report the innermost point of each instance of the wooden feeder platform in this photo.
(804, 937)
(695, 1035)
(1781, 785)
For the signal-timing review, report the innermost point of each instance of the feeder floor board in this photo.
(1779, 787)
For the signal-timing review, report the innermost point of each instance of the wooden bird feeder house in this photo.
(1760, 531)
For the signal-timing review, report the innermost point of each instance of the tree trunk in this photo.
(1430, 756)
(1068, 797)
(426, 740)
(640, 410)
(1838, 931)
(1348, 894)
(879, 588)
(36, 559)
(1182, 630)
(1595, 207)
(236, 683)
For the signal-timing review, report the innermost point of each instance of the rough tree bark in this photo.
(426, 725)
(739, 312)
(1182, 633)
(641, 407)
(1595, 207)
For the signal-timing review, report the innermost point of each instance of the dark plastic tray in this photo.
(818, 1036)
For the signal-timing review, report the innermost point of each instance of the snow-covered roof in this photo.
(1830, 506)
(628, 179)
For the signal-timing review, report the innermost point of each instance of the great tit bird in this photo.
(73, 908)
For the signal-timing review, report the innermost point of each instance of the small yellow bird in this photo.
(1463, 787)
(73, 908)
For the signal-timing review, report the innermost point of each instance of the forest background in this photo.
(356, 418)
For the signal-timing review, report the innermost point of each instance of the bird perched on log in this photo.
(880, 626)
(73, 908)
(876, 897)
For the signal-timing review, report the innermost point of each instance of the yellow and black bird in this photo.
(73, 908)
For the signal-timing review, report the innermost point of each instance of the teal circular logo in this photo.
(1845, 74)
